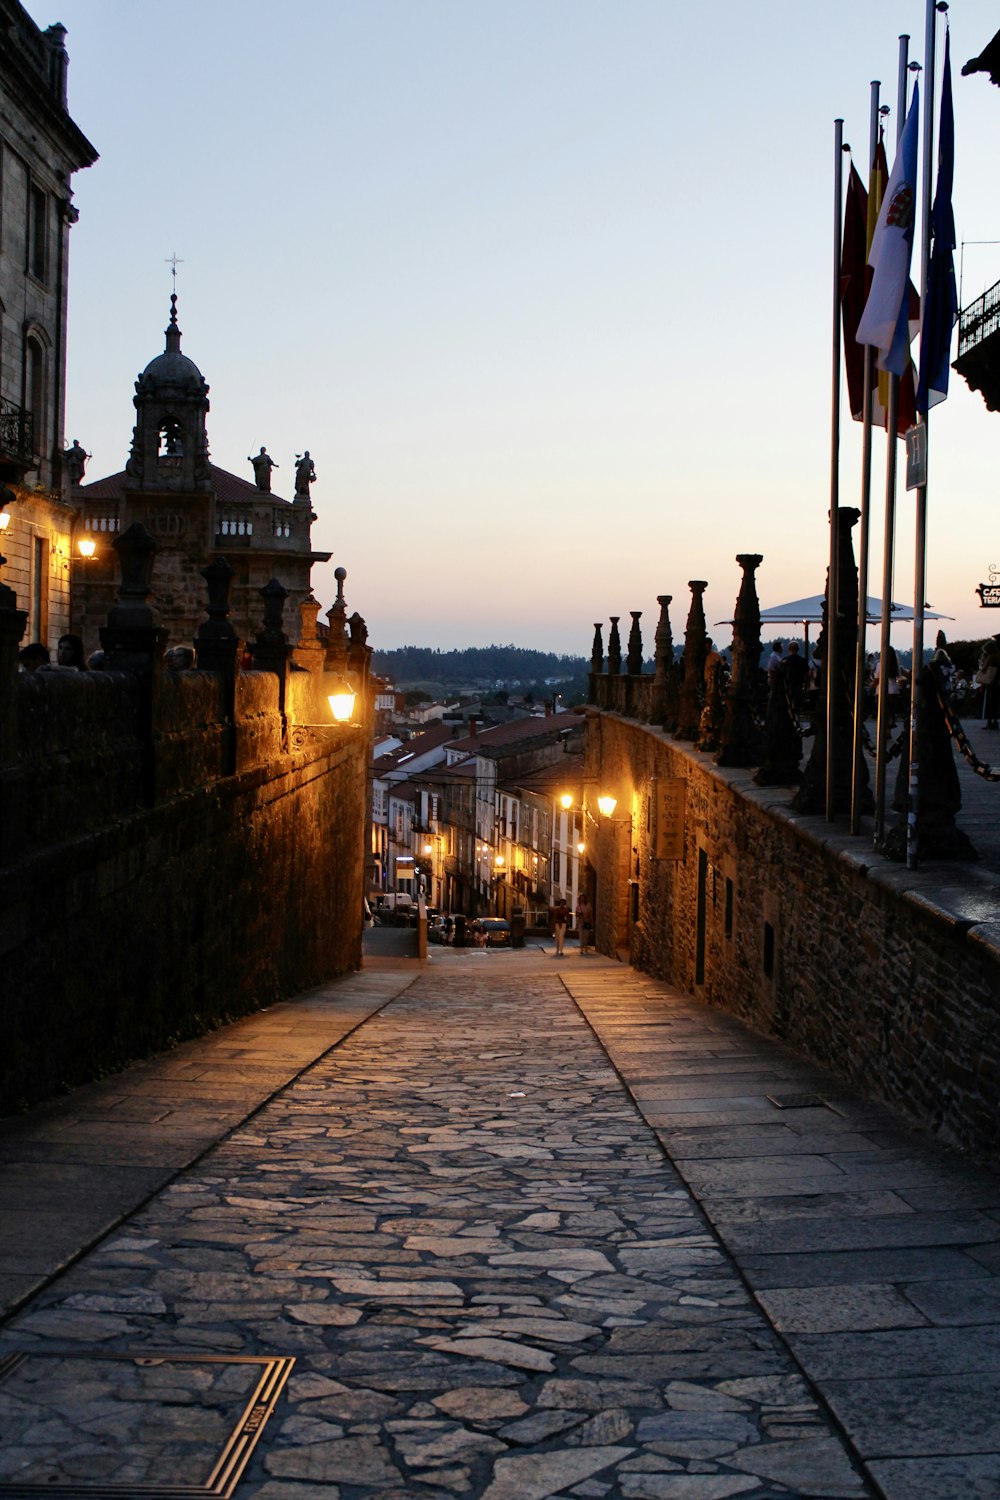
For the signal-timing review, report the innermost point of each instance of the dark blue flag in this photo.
(941, 302)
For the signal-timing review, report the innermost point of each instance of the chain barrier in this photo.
(961, 739)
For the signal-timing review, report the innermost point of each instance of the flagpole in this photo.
(866, 490)
(920, 546)
(833, 590)
(889, 540)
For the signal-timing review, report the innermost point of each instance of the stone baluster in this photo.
(695, 651)
(614, 649)
(740, 741)
(634, 659)
(271, 652)
(220, 650)
(664, 668)
(811, 795)
(596, 666)
(359, 657)
(310, 653)
(338, 644)
(134, 640)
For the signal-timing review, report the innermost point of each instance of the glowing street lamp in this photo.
(607, 805)
(498, 861)
(567, 800)
(86, 547)
(4, 520)
(341, 701)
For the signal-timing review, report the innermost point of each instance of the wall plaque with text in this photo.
(989, 595)
(670, 795)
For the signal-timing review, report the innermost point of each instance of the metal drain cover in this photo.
(92, 1424)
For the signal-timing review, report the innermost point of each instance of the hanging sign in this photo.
(989, 593)
(916, 457)
(670, 793)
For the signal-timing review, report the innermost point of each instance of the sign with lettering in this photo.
(670, 793)
(916, 457)
(989, 595)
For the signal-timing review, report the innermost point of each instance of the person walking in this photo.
(584, 922)
(560, 921)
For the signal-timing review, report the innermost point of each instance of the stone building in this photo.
(40, 149)
(195, 510)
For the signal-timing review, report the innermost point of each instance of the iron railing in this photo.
(979, 320)
(17, 431)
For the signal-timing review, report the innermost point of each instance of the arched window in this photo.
(34, 388)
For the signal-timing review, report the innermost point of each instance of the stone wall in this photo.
(137, 909)
(880, 974)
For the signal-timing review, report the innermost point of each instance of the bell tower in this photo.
(170, 441)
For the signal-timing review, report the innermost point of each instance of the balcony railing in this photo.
(17, 435)
(979, 320)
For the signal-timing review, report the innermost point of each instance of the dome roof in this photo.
(172, 368)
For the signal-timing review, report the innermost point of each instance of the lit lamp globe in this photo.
(498, 861)
(567, 800)
(87, 547)
(4, 520)
(341, 702)
(607, 805)
(581, 847)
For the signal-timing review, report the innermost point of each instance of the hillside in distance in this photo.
(477, 667)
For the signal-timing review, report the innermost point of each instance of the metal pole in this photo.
(920, 545)
(889, 542)
(866, 491)
(832, 591)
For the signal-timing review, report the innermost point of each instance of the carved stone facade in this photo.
(195, 510)
(40, 149)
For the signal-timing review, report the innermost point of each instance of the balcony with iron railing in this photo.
(978, 360)
(17, 441)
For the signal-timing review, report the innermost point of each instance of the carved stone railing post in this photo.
(596, 664)
(271, 652)
(713, 708)
(664, 668)
(220, 650)
(614, 649)
(811, 795)
(310, 652)
(740, 741)
(634, 660)
(695, 651)
(359, 655)
(339, 642)
(134, 640)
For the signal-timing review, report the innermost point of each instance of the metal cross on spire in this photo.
(173, 262)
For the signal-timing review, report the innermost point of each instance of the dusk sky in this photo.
(544, 286)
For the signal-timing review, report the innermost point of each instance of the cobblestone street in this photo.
(462, 1225)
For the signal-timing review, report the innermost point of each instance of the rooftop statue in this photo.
(305, 474)
(262, 463)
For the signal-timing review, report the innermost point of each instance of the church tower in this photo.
(195, 511)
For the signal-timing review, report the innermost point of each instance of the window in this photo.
(34, 387)
(38, 233)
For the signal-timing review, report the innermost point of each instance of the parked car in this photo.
(495, 931)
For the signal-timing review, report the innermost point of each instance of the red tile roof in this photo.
(228, 487)
(515, 731)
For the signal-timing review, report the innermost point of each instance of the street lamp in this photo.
(341, 701)
(86, 547)
(4, 520)
(567, 800)
(606, 805)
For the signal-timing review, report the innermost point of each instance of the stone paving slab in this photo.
(73, 1168)
(492, 1281)
(868, 1259)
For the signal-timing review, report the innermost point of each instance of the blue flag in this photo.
(941, 302)
(884, 323)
